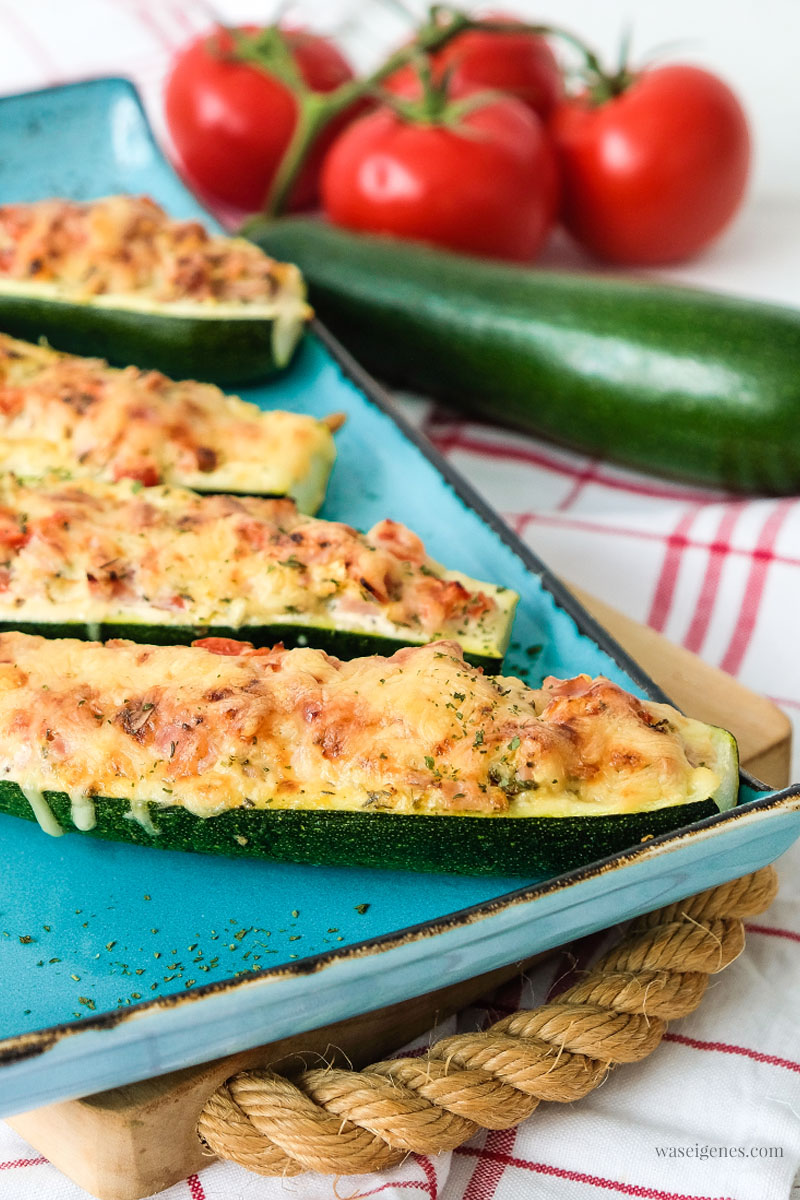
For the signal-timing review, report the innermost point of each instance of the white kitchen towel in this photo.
(715, 1113)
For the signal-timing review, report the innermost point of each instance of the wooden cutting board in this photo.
(132, 1141)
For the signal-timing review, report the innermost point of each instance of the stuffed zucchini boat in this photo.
(80, 417)
(98, 560)
(116, 277)
(418, 761)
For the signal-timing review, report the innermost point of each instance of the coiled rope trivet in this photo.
(347, 1122)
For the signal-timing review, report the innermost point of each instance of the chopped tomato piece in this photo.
(222, 645)
(146, 473)
(12, 534)
(393, 536)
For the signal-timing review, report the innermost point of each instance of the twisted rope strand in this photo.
(348, 1122)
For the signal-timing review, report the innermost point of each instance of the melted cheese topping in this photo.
(420, 732)
(81, 417)
(127, 245)
(98, 552)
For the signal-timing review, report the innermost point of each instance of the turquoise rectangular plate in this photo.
(117, 962)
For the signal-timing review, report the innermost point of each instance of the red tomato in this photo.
(487, 185)
(655, 173)
(231, 121)
(521, 64)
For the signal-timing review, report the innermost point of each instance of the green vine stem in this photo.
(435, 105)
(268, 50)
(316, 110)
(600, 84)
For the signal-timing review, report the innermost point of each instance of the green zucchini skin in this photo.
(217, 350)
(342, 643)
(682, 383)
(456, 845)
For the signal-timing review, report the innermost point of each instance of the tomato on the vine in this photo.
(652, 174)
(521, 64)
(231, 120)
(482, 180)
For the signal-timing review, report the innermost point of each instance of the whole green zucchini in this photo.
(686, 384)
